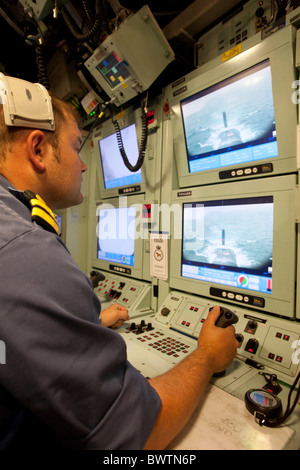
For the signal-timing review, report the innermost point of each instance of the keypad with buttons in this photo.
(157, 340)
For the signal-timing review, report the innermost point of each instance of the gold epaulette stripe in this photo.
(39, 202)
(40, 214)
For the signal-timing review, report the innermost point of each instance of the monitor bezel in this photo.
(282, 299)
(105, 130)
(278, 50)
(135, 271)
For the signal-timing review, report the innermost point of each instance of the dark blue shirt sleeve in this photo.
(61, 364)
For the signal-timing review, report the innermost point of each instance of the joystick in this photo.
(95, 277)
(226, 318)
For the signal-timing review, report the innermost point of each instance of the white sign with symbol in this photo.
(159, 255)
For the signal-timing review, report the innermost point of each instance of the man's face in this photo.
(66, 168)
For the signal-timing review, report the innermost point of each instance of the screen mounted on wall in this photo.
(232, 122)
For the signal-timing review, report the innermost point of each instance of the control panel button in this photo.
(251, 327)
(165, 311)
(252, 345)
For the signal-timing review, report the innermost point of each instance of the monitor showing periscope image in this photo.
(229, 242)
(115, 173)
(232, 122)
(116, 235)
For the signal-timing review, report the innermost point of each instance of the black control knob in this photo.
(251, 326)
(149, 327)
(96, 277)
(240, 338)
(165, 311)
(132, 326)
(260, 12)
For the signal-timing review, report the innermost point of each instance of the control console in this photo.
(133, 294)
(162, 339)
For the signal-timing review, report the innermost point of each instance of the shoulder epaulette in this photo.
(41, 213)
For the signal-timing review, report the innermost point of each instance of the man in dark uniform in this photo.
(67, 381)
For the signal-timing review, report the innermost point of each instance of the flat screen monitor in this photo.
(113, 177)
(237, 120)
(115, 173)
(224, 125)
(229, 241)
(237, 243)
(117, 232)
(116, 235)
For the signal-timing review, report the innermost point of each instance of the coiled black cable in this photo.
(95, 29)
(87, 9)
(143, 144)
(42, 74)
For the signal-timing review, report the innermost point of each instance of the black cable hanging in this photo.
(42, 74)
(37, 41)
(95, 29)
(143, 143)
(289, 409)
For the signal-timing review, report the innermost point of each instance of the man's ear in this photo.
(37, 148)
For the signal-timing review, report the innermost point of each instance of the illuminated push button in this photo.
(271, 356)
(251, 327)
(252, 346)
(279, 359)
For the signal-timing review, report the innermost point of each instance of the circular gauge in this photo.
(261, 401)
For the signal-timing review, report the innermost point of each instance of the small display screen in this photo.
(116, 235)
(262, 399)
(229, 242)
(232, 122)
(113, 69)
(115, 172)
